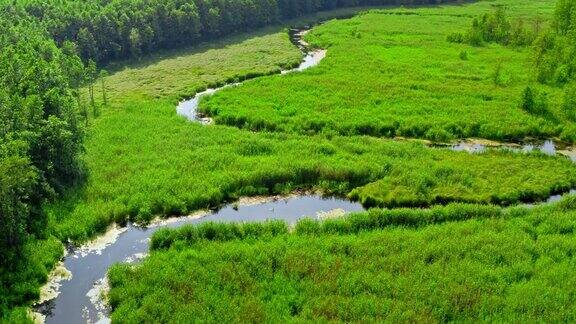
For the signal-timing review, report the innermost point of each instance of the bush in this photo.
(496, 27)
(497, 75)
(528, 100)
(534, 102)
(455, 38)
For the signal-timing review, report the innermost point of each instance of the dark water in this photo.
(552, 199)
(188, 108)
(74, 306)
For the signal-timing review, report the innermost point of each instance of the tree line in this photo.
(119, 29)
(40, 137)
(556, 49)
(498, 28)
(555, 58)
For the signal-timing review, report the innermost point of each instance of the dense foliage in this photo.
(40, 142)
(454, 263)
(556, 50)
(106, 30)
(496, 27)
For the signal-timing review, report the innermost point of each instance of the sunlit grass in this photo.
(455, 263)
(392, 73)
(145, 161)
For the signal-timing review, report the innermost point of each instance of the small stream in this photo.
(188, 108)
(79, 299)
(548, 147)
(76, 291)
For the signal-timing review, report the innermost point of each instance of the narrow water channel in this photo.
(548, 147)
(189, 108)
(79, 301)
(78, 292)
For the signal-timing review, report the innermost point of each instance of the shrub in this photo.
(569, 103)
(534, 102)
(528, 100)
(497, 77)
(455, 38)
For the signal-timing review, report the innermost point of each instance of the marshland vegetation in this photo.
(75, 163)
(458, 262)
(395, 73)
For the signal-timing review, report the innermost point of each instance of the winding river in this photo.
(188, 108)
(73, 294)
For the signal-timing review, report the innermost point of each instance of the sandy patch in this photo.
(489, 143)
(569, 153)
(135, 258)
(50, 290)
(257, 200)
(331, 214)
(37, 318)
(101, 242)
(98, 297)
(160, 222)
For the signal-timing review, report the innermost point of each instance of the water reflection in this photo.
(76, 302)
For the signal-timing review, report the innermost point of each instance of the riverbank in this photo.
(455, 262)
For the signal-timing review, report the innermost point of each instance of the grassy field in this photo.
(155, 163)
(145, 161)
(180, 74)
(393, 73)
(454, 263)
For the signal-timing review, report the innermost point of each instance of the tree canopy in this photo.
(108, 30)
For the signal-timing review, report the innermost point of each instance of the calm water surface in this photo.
(73, 304)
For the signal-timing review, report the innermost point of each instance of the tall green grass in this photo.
(392, 73)
(145, 161)
(454, 263)
(374, 219)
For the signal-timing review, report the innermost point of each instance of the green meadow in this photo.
(145, 161)
(393, 73)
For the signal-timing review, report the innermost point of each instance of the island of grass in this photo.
(394, 73)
